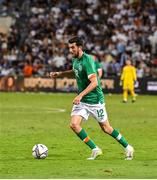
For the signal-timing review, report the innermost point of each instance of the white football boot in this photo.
(129, 151)
(95, 153)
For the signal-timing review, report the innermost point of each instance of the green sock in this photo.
(84, 137)
(119, 138)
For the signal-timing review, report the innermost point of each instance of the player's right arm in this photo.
(123, 74)
(60, 74)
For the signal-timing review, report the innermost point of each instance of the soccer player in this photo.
(90, 99)
(128, 79)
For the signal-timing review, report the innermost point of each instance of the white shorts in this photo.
(98, 111)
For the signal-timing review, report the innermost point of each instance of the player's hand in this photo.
(135, 83)
(54, 74)
(120, 83)
(77, 99)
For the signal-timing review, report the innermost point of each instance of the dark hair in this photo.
(77, 40)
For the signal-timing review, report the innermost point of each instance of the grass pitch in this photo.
(27, 119)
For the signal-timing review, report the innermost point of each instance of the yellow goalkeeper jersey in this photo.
(128, 74)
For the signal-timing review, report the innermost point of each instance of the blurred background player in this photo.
(128, 79)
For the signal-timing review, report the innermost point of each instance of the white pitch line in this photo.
(34, 111)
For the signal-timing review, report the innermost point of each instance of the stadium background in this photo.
(34, 34)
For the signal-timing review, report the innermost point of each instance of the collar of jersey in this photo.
(79, 59)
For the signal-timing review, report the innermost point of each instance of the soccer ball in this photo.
(40, 151)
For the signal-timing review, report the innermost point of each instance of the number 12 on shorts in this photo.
(100, 113)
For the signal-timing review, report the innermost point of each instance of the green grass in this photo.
(28, 118)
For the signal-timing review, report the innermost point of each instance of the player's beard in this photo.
(77, 54)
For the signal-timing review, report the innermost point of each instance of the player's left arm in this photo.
(93, 84)
(99, 68)
(134, 74)
(100, 72)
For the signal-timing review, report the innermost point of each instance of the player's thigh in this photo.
(80, 110)
(76, 120)
(125, 86)
(131, 87)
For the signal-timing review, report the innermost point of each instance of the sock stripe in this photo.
(119, 137)
(86, 139)
(115, 134)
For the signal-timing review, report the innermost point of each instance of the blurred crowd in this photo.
(113, 30)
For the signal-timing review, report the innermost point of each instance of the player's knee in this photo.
(74, 126)
(107, 129)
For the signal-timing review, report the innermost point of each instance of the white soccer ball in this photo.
(40, 151)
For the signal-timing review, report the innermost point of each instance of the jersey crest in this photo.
(80, 67)
(76, 73)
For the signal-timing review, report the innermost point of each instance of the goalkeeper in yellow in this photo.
(128, 79)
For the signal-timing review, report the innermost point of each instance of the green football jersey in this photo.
(82, 68)
(98, 65)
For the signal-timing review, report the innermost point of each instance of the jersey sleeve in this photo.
(98, 65)
(90, 66)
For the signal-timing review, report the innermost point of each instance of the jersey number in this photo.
(100, 113)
